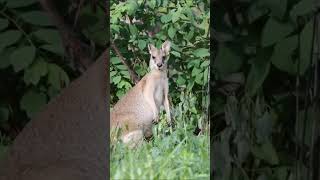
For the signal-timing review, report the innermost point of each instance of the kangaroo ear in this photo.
(166, 47)
(151, 47)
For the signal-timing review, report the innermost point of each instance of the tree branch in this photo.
(133, 75)
(75, 47)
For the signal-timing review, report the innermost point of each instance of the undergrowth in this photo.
(173, 153)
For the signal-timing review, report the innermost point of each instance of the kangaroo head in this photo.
(159, 57)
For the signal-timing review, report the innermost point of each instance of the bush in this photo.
(178, 152)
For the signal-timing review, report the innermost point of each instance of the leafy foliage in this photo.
(184, 23)
(262, 52)
(134, 25)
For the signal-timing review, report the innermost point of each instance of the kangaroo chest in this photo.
(159, 92)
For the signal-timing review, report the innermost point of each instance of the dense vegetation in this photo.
(34, 65)
(173, 152)
(265, 96)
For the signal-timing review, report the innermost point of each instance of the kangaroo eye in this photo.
(153, 57)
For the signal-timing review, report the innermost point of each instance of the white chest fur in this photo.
(159, 92)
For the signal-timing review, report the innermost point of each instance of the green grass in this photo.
(171, 154)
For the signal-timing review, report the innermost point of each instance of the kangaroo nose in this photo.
(159, 64)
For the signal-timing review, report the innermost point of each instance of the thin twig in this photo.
(77, 13)
(133, 75)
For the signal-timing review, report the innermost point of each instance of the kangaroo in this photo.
(135, 113)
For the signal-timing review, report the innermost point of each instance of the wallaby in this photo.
(68, 139)
(136, 111)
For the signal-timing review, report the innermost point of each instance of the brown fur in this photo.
(135, 113)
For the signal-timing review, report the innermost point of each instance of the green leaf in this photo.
(133, 30)
(97, 34)
(201, 52)
(37, 18)
(171, 32)
(54, 48)
(52, 92)
(131, 7)
(120, 93)
(175, 16)
(243, 148)
(190, 34)
(305, 47)
(255, 12)
(142, 44)
(9, 38)
(194, 62)
(263, 127)
(35, 72)
(20, 3)
(166, 18)
(125, 74)
(3, 24)
(205, 26)
(281, 172)
(277, 7)
(227, 61)
(258, 72)
(57, 77)
(301, 8)
(116, 79)
(175, 53)
(190, 85)
(152, 4)
(93, 25)
(22, 57)
(113, 73)
(115, 60)
(282, 55)
(51, 36)
(32, 102)
(4, 114)
(5, 58)
(115, 28)
(181, 81)
(122, 67)
(198, 79)
(205, 64)
(222, 158)
(269, 37)
(195, 71)
(176, 47)
(266, 152)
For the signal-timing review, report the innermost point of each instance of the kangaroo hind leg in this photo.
(133, 139)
